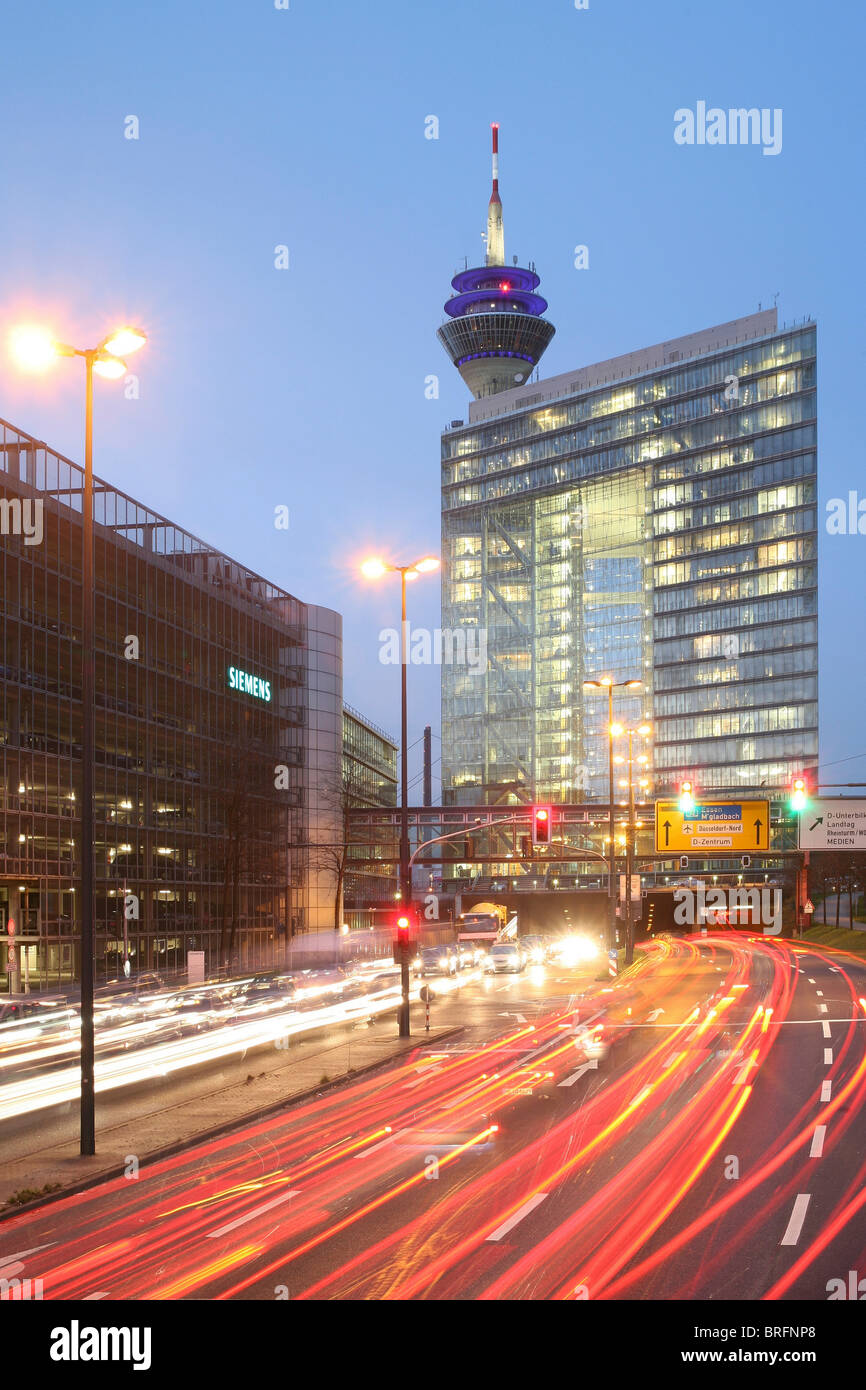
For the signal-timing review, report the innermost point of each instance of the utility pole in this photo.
(428, 766)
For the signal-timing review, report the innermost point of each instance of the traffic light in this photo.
(402, 937)
(799, 799)
(541, 825)
(687, 800)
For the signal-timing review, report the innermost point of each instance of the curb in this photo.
(169, 1150)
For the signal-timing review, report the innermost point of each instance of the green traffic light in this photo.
(799, 800)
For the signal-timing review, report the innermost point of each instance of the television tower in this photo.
(495, 334)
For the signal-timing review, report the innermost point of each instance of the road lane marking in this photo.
(818, 1141)
(365, 1153)
(251, 1215)
(17, 1259)
(512, 1221)
(826, 1028)
(820, 992)
(811, 981)
(822, 1008)
(798, 1216)
(575, 1075)
(410, 1085)
(826, 1088)
(828, 1056)
(744, 1071)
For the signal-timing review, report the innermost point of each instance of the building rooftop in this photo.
(629, 364)
(31, 462)
(368, 724)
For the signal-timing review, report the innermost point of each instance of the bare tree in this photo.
(330, 855)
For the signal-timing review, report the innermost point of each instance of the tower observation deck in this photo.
(495, 333)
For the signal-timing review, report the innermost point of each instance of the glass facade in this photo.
(662, 526)
(369, 762)
(369, 780)
(203, 681)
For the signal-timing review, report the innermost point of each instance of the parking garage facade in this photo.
(218, 696)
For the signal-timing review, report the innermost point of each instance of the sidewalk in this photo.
(160, 1132)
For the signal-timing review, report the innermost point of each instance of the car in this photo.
(465, 955)
(533, 947)
(438, 960)
(592, 1043)
(507, 956)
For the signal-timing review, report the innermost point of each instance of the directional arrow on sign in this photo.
(819, 821)
(667, 829)
(758, 824)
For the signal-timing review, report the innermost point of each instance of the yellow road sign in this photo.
(712, 826)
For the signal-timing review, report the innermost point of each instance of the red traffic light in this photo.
(541, 825)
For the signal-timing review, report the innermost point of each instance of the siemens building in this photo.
(650, 517)
(218, 737)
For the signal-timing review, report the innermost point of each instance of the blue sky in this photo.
(304, 127)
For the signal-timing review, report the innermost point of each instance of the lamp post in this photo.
(642, 731)
(374, 569)
(610, 685)
(36, 350)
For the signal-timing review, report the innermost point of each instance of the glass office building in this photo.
(369, 780)
(369, 762)
(655, 517)
(218, 702)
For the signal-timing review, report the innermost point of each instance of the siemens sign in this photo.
(249, 685)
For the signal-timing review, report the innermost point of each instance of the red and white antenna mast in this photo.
(495, 232)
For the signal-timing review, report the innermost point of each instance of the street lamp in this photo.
(375, 569)
(642, 731)
(36, 350)
(610, 685)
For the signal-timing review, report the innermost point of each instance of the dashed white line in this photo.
(381, 1144)
(826, 1089)
(798, 1216)
(826, 1028)
(512, 1221)
(828, 1056)
(811, 981)
(820, 992)
(251, 1215)
(822, 1008)
(818, 1141)
(744, 1071)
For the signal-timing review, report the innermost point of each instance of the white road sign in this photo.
(833, 822)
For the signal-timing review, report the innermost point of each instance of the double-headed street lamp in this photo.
(610, 685)
(375, 569)
(36, 350)
(642, 731)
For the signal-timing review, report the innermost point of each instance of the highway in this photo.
(692, 1132)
